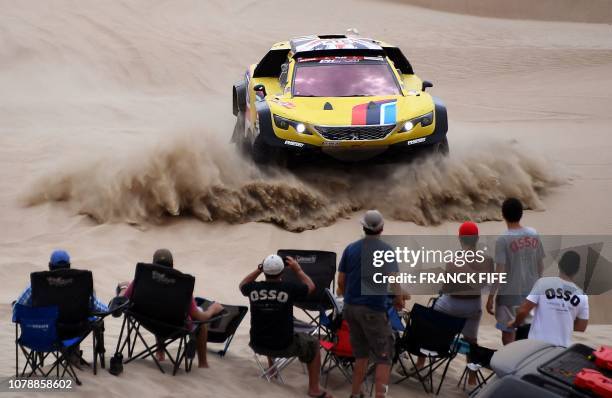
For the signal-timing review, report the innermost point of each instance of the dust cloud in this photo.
(196, 175)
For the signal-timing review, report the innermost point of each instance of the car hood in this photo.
(345, 111)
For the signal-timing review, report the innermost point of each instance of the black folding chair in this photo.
(431, 334)
(71, 290)
(478, 358)
(160, 303)
(273, 372)
(320, 266)
(223, 329)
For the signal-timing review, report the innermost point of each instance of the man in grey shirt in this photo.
(518, 253)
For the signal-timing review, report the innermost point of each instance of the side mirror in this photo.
(426, 84)
(260, 90)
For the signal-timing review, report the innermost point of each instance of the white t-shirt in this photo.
(558, 304)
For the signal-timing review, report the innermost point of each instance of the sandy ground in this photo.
(91, 90)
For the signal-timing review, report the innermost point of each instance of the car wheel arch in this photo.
(239, 97)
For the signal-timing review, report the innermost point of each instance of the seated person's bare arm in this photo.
(204, 315)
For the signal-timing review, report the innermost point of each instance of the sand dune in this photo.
(593, 11)
(119, 111)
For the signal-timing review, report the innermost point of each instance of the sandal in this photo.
(324, 394)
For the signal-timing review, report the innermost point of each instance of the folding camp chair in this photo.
(39, 340)
(478, 357)
(223, 329)
(320, 266)
(71, 290)
(429, 333)
(160, 303)
(273, 371)
(338, 352)
(337, 345)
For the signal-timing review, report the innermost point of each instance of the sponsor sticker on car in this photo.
(293, 143)
(415, 141)
(339, 60)
(285, 104)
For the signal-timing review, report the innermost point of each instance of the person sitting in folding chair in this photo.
(164, 257)
(60, 259)
(272, 331)
(464, 300)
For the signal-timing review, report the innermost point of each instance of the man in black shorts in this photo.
(272, 331)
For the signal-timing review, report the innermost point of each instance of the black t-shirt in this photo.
(272, 312)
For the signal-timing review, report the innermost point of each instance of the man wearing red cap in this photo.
(464, 301)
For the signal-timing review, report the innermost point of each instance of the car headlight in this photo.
(425, 120)
(283, 123)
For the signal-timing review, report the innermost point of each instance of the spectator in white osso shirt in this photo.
(560, 307)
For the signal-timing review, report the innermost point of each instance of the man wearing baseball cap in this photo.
(366, 311)
(464, 301)
(271, 303)
(59, 259)
(164, 258)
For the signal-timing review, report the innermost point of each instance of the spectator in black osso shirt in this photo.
(272, 331)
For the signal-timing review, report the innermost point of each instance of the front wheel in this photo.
(442, 147)
(239, 136)
(265, 154)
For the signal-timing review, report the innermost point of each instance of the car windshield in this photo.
(344, 80)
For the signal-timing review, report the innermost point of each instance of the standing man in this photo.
(518, 253)
(272, 331)
(366, 311)
(560, 306)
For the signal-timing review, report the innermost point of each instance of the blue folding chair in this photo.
(395, 320)
(38, 340)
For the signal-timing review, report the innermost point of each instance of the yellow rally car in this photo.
(349, 97)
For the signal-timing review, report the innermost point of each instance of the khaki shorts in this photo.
(371, 334)
(303, 346)
(503, 315)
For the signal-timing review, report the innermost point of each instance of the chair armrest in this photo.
(184, 327)
(116, 307)
(220, 315)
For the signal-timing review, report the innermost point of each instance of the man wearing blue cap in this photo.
(59, 260)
